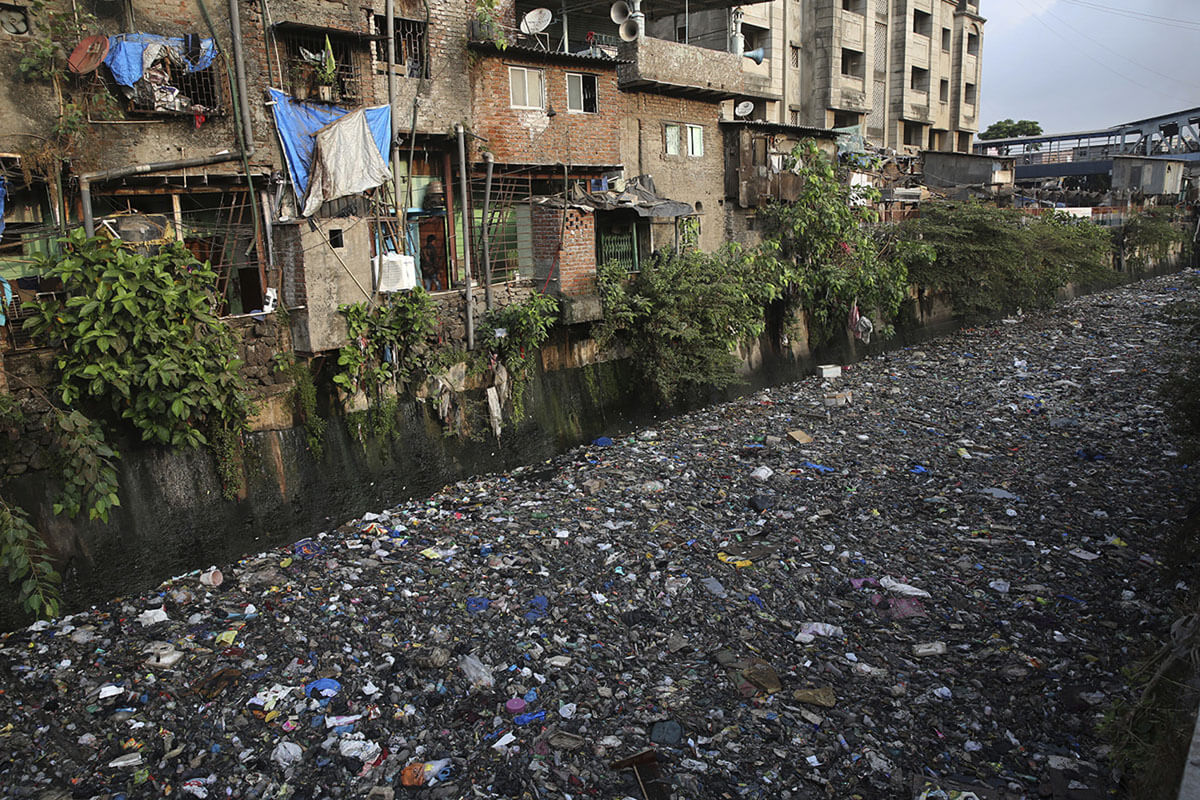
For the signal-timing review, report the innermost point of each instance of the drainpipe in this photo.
(466, 215)
(86, 180)
(487, 261)
(393, 150)
(239, 71)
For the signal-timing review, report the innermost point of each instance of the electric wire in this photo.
(1141, 16)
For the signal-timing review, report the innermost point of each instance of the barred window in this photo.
(410, 46)
(303, 55)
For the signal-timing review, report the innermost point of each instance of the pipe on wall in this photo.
(86, 180)
(466, 218)
(487, 261)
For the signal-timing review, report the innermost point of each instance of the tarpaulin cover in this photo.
(126, 54)
(298, 123)
(639, 195)
(346, 161)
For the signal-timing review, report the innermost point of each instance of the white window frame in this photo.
(698, 130)
(524, 73)
(679, 139)
(583, 76)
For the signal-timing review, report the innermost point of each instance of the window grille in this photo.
(304, 50)
(410, 46)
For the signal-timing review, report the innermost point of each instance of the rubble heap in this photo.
(924, 573)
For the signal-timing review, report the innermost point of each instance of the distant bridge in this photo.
(1085, 153)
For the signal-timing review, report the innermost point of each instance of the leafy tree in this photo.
(1007, 129)
(824, 255)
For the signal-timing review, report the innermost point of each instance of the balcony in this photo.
(680, 69)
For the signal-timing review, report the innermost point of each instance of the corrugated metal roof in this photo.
(823, 133)
(525, 51)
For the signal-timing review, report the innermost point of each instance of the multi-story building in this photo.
(906, 72)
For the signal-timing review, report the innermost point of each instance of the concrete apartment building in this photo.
(906, 71)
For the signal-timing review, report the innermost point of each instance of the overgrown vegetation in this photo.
(820, 254)
(387, 347)
(137, 334)
(682, 315)
(137, 343)
(514, 334)
(304, 399)
(995, 260)
(1150, 236)
(679, 319)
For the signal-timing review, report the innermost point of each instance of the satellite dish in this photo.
(619, 12)
(536, 21)
(88, 55)
(12, 20)
(743, 108)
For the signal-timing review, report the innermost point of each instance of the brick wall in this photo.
(571, 267)
(699, 181)
(525, 136)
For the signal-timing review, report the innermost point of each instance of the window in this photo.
(410, 46)
(846, 119)
(854, 6)
(794, 116)
(944, 91)
(973, 44)
(920, 80)
(923, 23)
(581, 93)
(969, 94)
(681, 34)
(525, 87)
(14, 20)
(671, 139)
(853, 63)
(676, 137)
(336, 239)
(302, 50)
(946, 34)
(169, 88)
(795, 57)
(914, 134)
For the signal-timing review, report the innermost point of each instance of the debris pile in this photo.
(929, 588)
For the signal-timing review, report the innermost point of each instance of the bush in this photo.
(996, 260)
(679, 318)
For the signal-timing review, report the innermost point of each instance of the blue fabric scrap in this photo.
(125, 53)
(299, 122)
(538, 607)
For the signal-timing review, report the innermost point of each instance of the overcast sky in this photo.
(1083, 64)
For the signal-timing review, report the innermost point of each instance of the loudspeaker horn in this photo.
(628, 31)
(619, 12)
(756, 55)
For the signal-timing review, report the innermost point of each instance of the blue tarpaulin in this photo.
(297, 123)
(126, 54)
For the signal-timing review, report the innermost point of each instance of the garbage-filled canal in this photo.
(923, 574)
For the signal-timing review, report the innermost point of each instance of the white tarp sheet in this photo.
(346, 161)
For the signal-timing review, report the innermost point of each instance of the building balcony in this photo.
(686, 70)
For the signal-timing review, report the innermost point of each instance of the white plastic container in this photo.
(829, 371)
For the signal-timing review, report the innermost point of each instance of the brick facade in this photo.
(533, 136)
(565, 252)
(697, 180)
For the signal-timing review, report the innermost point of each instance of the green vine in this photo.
(24, 556)
(304, 398)
(487, 13)
(514, 335)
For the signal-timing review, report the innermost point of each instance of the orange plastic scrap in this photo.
(413, 775)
